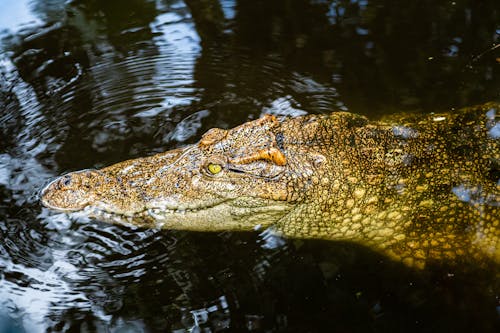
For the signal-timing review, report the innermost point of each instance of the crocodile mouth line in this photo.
(148, 214)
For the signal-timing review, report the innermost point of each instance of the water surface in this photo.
(84, 84)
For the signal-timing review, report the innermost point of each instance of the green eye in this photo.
(214, 168)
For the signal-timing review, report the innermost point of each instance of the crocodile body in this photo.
(417, 188)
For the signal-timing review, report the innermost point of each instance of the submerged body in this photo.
(417, 188)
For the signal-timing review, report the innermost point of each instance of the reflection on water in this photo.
(14, 14)
(87, 83)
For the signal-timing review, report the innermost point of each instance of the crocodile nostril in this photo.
(65, 181)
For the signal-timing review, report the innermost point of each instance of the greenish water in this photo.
(84, 84)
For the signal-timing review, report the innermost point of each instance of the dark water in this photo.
(84, 84)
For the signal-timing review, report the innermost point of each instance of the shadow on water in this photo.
(88, 83)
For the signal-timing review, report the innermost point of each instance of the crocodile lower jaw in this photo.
(228, 214)
(148, 216)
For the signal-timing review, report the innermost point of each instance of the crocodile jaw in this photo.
(224, 215)
(169, 211)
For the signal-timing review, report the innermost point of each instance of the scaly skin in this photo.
(417, 188)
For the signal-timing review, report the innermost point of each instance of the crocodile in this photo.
(418, 188)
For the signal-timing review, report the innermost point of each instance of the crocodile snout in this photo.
(70, 192)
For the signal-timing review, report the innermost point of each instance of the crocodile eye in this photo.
(214, 168)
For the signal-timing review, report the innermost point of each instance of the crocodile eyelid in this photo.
(273, 155)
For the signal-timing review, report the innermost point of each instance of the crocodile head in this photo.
(230, 180)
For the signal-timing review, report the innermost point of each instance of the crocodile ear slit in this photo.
(273, 155)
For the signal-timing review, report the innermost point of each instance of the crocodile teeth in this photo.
(159, 213)
(155, 213)
(117, 218)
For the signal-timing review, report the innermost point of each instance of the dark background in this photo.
(87, 83)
